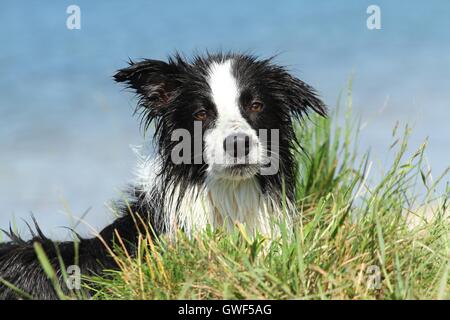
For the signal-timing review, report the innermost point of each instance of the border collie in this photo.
(225, 142)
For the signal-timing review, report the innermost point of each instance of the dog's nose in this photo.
(237, 145)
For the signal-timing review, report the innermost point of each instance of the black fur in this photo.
(169, 94)
(19, 264)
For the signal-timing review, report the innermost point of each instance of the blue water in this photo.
(66, 128)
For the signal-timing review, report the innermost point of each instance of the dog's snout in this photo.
(237, 145)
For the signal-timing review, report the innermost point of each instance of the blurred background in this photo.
(66, 128)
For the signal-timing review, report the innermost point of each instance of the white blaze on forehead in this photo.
(225, 95)
(224, 89)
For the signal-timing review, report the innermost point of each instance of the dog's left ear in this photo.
(300, 97)
(156, 82)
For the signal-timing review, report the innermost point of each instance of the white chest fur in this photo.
(224, 203)
(219, 203)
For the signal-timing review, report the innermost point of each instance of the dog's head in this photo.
(224, 116)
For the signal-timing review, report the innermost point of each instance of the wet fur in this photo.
(169, 92)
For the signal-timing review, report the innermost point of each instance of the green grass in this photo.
(354, 238)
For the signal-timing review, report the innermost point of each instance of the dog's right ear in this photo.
(156, 82)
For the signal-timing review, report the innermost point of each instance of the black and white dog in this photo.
(225, 141)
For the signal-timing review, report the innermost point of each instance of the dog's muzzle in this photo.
(237, 145)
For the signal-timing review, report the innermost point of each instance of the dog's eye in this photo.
(201, 115)
(256, 107)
